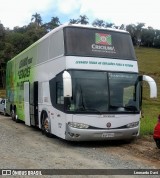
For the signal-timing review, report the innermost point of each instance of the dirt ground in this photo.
(143, 148)
(25, 147)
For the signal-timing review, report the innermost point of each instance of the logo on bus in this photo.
(108, 125)
(103, 43)
(103, 39)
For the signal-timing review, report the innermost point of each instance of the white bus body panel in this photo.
(100, 121)
(107, 64)
(152, 85)
(100, 130)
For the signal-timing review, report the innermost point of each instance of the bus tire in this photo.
(12, 114)
(45, 125)
(15, 115)
(4, 112)
(16, 119)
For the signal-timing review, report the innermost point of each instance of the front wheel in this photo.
(45, 125)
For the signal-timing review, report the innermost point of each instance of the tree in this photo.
(2, 37)
(2, 61)
(131, 28)
(138, 33)
(148, 36)
(37, 19)
(55, 22)
(109, 25)
(33, 33)
(122, 27)
(73, 21)
(2, 32)
(99, 23)
(156, 42)
(83, 19)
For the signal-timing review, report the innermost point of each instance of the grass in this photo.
(149, 64)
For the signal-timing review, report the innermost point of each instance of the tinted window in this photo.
(103, 92)
(59, 93)
(98, 43)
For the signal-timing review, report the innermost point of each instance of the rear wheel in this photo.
(158, 143)
(16, 118)
(4, 112)
(12, 114)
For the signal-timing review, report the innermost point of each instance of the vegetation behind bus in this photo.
(148, 60)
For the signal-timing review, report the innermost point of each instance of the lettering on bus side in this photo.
(23, 73)
(24, 67)
(24, 62)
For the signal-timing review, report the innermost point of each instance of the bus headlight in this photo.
(78, 125)
(133, 124)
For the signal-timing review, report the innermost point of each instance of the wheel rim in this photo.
(12, 114)
(45, 127)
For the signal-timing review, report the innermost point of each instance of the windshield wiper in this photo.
(113, 106)
(88, 109)
(83, 105)
(93, 109)
(132, 108)
(129, 108)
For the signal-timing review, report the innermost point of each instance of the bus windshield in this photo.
(100, 92)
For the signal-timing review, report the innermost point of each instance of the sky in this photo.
(19, 12)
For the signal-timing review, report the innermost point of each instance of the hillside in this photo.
(149, 64)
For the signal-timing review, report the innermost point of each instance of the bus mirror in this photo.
(67, 84)
(152, 84)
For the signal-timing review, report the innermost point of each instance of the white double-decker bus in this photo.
(79, 83)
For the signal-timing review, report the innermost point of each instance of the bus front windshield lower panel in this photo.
(103, 92)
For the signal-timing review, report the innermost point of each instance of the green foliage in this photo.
(99, 23)
(147, 37)
(149, 62)
(37, 19)
(83, 19)
(147, 126)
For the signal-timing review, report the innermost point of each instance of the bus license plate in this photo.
(104, 135)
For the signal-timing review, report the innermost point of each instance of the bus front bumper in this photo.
(75, 134)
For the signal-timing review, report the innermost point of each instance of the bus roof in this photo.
(67, 25)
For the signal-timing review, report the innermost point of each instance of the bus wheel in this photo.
(12, 115)
(11, 112)
(16, 118)
(45, 125)
(4, 112)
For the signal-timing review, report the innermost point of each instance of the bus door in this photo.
(26, 104)
(34, 104)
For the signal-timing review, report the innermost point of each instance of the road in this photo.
(24, 147)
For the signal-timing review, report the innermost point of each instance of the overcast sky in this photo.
(19, 12)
